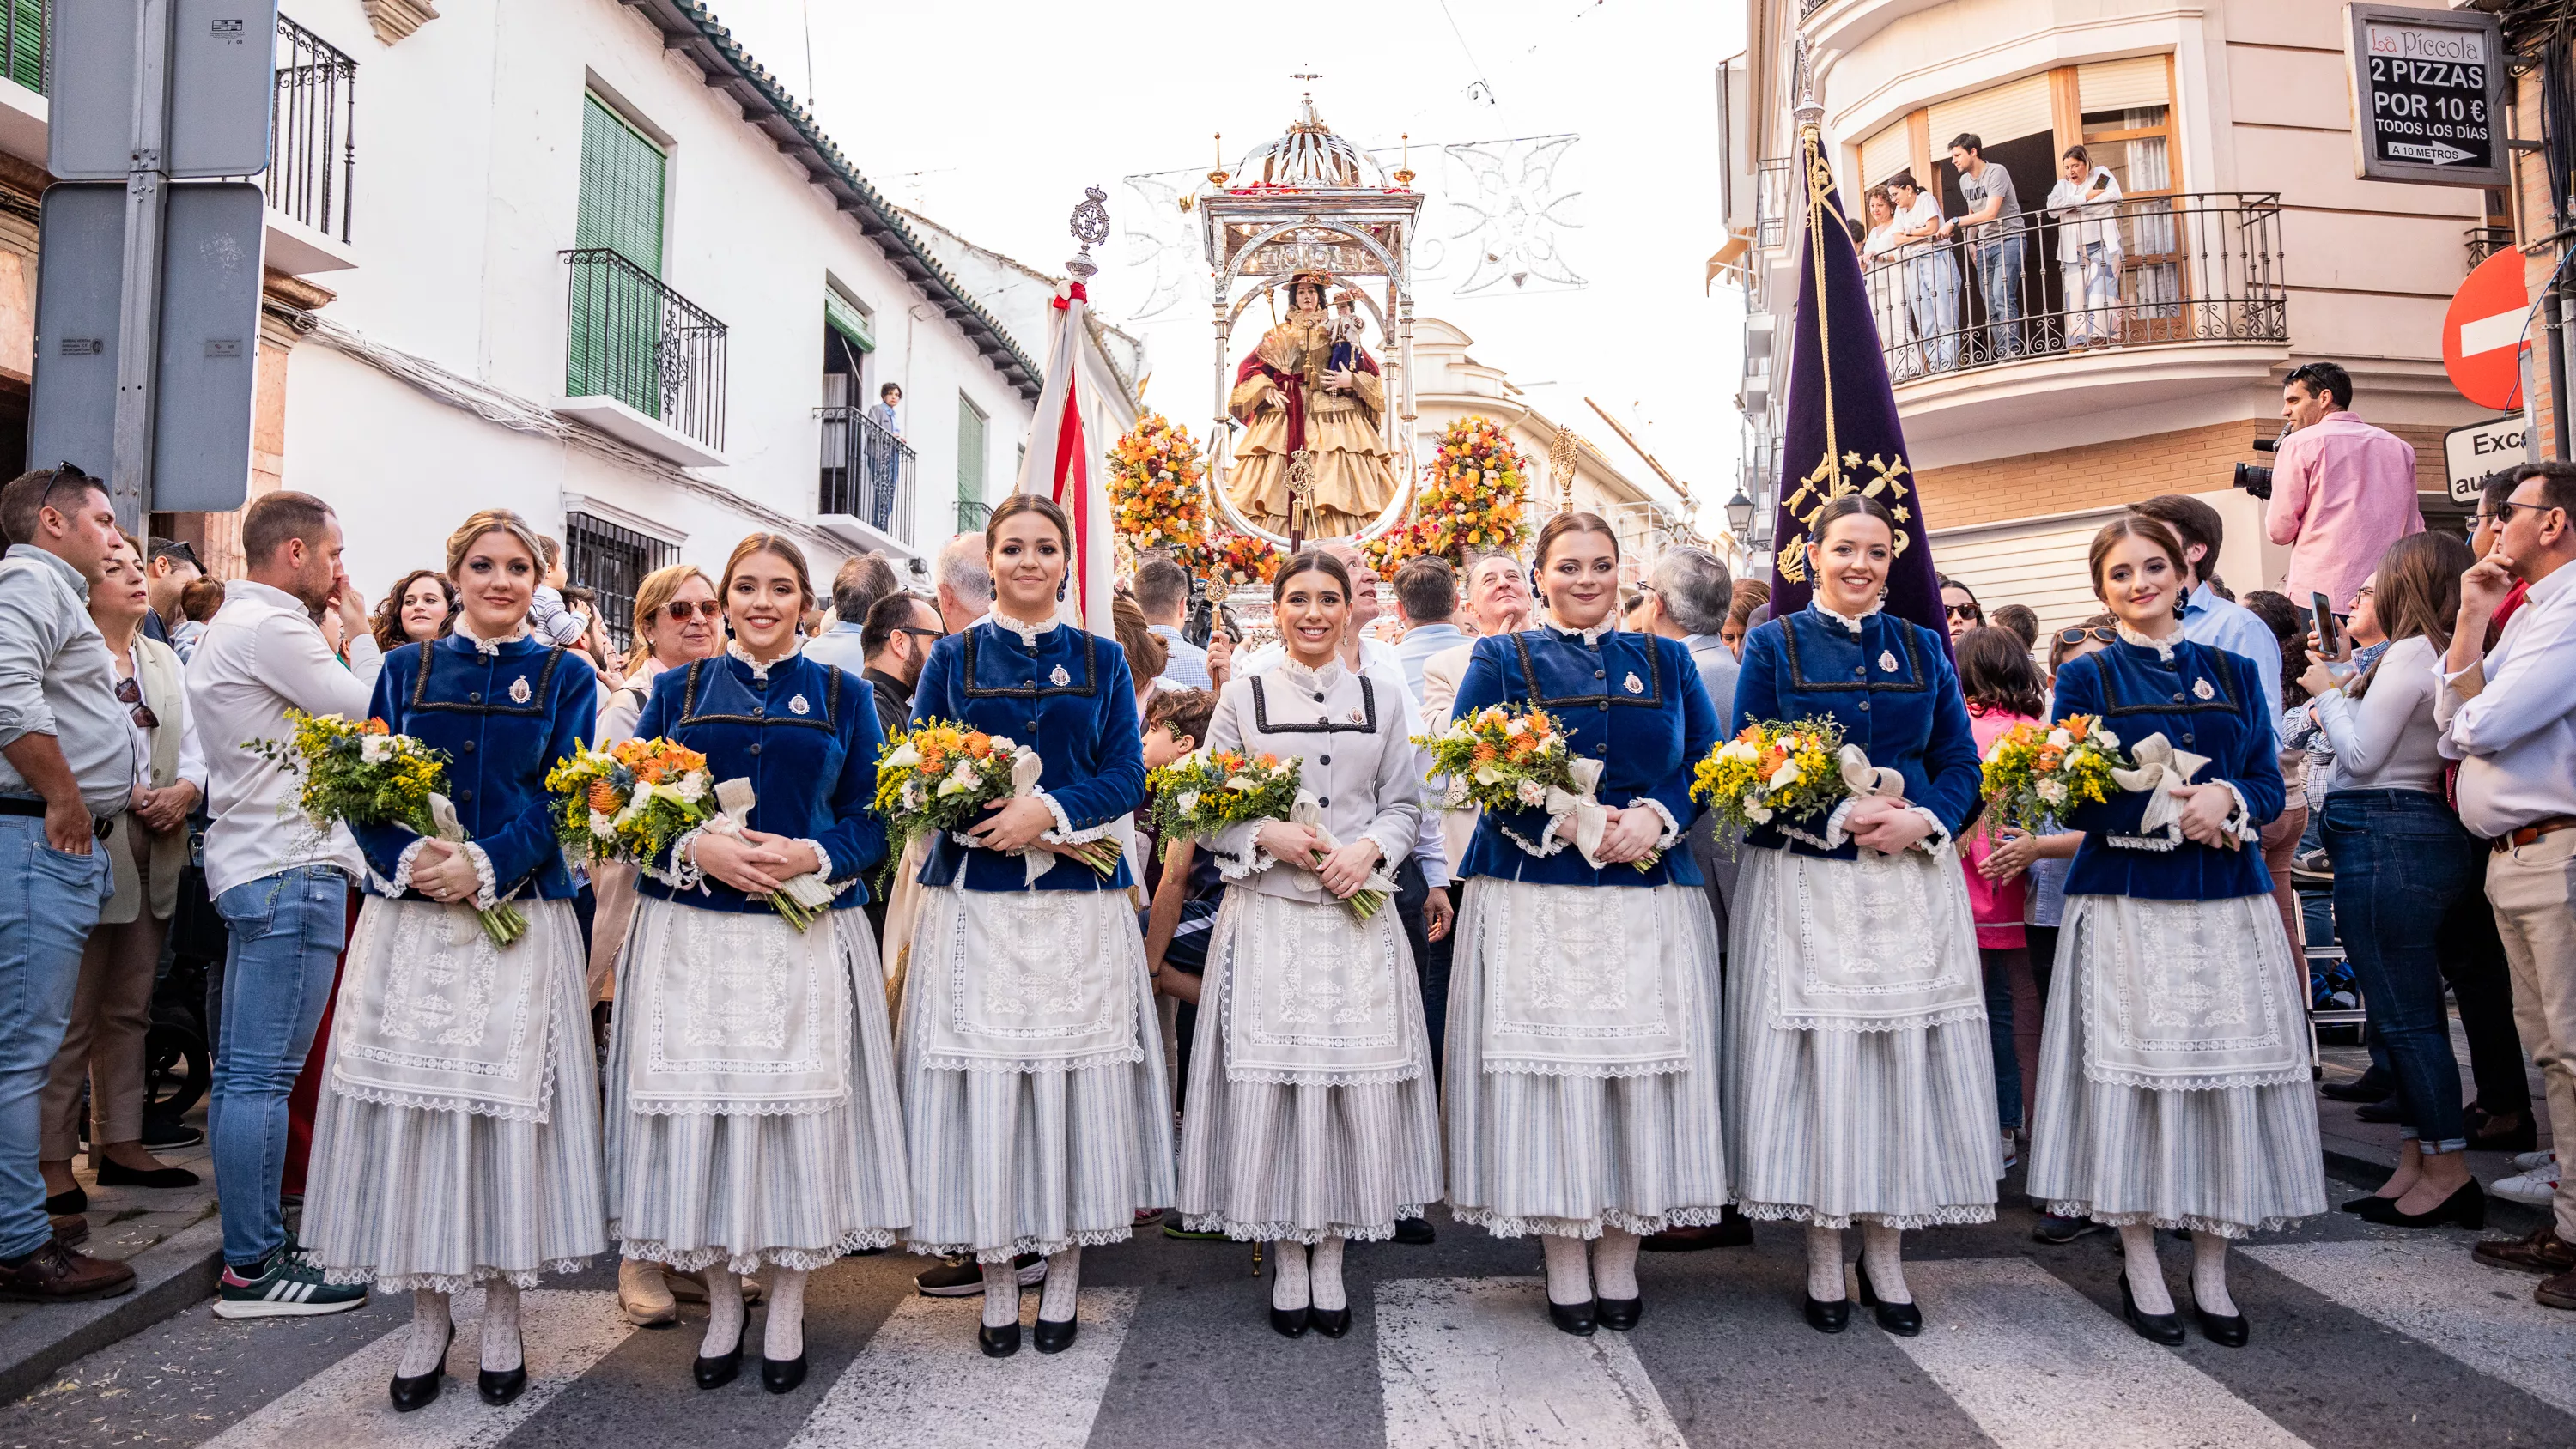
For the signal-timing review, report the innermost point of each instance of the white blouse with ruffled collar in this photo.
(2164, 647)
(489, 647)
(1029, 634)
(1849, 621)
(760, 667)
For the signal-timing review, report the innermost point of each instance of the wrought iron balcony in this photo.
(1771, 202)
(2202, 267)
(2486, 241)
(867, 472)
(628, 336)
(313, 138)
(971, 514)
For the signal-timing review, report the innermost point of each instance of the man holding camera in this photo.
(2342, 490)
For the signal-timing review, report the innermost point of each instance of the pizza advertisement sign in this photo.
(2428, 97)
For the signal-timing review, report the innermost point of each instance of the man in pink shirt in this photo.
(2342, 490)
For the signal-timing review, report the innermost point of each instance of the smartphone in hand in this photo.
(2324, 611)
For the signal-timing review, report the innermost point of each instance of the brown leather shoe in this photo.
(2556, 1292)
(70, 1229)
(56, 1274)
(2539, 1251)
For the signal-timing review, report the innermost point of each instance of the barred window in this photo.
(611, 562)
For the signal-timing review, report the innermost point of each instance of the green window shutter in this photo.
(970, 451)
(25, 26)
(845, 318)
(616, 317)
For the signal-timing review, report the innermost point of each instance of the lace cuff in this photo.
(1930, 844)
(683, 874)
(1549, 842)
(825, 874)
(2240, 821)
(1835, 834)
(402, 868)
(1672, 828)
(486, 892)
(1064, 833)
(1238, 852)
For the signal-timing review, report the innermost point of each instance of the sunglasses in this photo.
(130, 694)
(2099, 634)
(2504, 510)
(678, 610)
(1962, 611)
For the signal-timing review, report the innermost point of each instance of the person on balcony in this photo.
(1993, 226)
(1886, 279)
(2086, 203)
(2342, 490)
(1931, 273)
(884, 456)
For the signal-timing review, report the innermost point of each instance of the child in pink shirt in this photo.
(2003, 689)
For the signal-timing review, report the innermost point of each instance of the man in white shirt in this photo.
(1426, 595)
(1498, 603)
(2509, 718)
(281, 886)
(1163, 595)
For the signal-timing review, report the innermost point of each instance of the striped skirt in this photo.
(407, 1198)
(1262, 1161)
(1833, 1127)
(1005, 1163)
(1571, 1155)
(2230, 1161)
(796, 1191)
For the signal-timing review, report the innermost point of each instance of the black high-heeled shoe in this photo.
(715, 1373)
(1289, 1322)
(1828, 1317)
(2164, 1328)
(2227, 1331)
(1054, 1337)
(1579, 1319)
(500, 1386)
(782, 1375)
(421, 1390)
(1330, 1322)
(999, 1342)
(2466, 1206)
(1902, 1319)
(1618, 1314)
(2362, 1204)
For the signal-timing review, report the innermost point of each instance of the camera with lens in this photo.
(1199, 623)
(2256, 478)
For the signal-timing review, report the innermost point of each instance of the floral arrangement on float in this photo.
(1157, 488)
(1474, 500)
(1234, 561)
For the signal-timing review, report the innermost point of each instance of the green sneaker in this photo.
(1173, 1228)
(288, 1285)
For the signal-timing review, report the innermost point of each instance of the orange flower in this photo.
(603, 797)
(979, 742)
(375, 727)
(2077, 726)
(2050, 757)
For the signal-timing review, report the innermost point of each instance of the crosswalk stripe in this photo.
(921, 1383)
(2037, 1365)
(1474, 1363)
(2429, 1291)
(566, 1333)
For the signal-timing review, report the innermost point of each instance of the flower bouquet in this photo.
(2036, 774)
(355, 773)
(1773, 768)
(1207, 791)
(939, 776)
(1155, 477)
(1496, 760)
(630, 801)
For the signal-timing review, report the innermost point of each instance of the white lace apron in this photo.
(1580, 981)
(2187, 995)
(1026, 981)
(740, 1014)
(1877, 943)
(433, 1016)
(1312, 997)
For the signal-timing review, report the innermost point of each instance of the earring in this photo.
(1060, 586)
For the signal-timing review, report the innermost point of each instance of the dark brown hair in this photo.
(2192, 521)
(1146, 651)
(777, 546)
(1185, 712)
(1311, 561)
(1565, 523)
(24, 498)
(1848, 505)
(2136, 525)
(200, 599)
(2282, 617)
(273, 518)
(1037, 503)
(2023, 620)
(1995, 671)
(389, 629)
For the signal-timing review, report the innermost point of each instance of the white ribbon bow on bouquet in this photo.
(1026, 766)
(467, 921)
(2162, 773)
(1591, 817)
(734, 800)
(1311, 815)
(1866, 782)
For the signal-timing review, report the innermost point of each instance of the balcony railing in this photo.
(22, 41)
(313, 137)
(971, 513)
(2199, 267)
(1809, 7)
(629, 337)
(867, 472)
(1771, 203)
(2486, 241)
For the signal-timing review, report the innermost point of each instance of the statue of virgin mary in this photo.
(1293, 398)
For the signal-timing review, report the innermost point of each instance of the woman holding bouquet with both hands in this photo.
(1860, 1083)
(1313, 1116)
(1581, 1090)
(1036, 1121)
(2173, 1080)
(457, 1139)
(752, 1111)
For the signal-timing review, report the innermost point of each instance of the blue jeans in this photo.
(1999, 278)
(287, 930)
(48, 902)
(1936, 308)
(2401, 859)
(1998, 962)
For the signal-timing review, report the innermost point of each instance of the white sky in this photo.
(992, 117)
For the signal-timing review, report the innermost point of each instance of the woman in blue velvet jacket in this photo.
(1860, 1081)
(1039, 1123)
(2173, 1076)
(753, 1115)
(1581, 1092)
(457, 1138)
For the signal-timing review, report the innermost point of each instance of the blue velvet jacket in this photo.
(1069, 697)
(503, 719)
(2207, 701)
(807, 739)
(1893, 688)
(1633, 702)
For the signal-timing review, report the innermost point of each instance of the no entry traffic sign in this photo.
(2485, 332)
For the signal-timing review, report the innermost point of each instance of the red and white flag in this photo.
(1063, 463)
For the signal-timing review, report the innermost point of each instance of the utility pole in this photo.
(138, 323)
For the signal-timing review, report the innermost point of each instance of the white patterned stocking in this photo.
(426, 1349)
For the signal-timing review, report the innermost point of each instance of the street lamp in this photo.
(1739, 516)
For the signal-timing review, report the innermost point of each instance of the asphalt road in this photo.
(2363, 1337)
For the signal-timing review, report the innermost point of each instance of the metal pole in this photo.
(138, 326)
(2554, 315)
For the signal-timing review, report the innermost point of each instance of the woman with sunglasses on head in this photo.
(1581, 1088)
(457, 1140)
(1861, 1087)
(1038, 1124)
(1313, 1118)
(2173, 1078)
(753, 1118)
